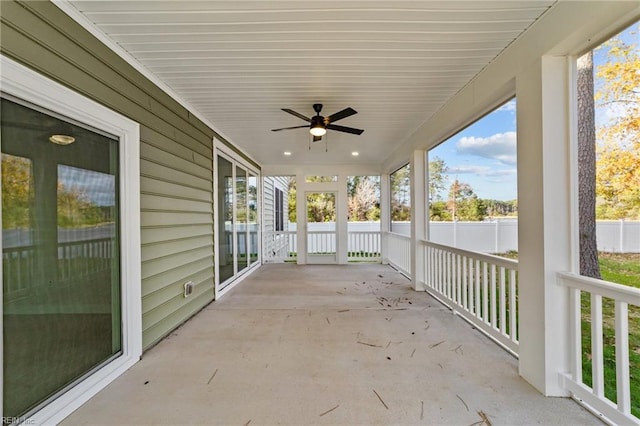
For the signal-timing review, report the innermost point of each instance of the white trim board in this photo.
(23, 83)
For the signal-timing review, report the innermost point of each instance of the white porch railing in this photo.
(594, 396)
(321, 242)
(479, 287)
(363, 246)
(399, 252)
(279, 246)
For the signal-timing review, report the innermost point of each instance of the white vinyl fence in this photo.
(500, 236)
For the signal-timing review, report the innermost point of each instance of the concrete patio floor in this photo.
(334, 345)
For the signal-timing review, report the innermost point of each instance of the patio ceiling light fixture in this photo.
(62, 139)
(318, 127)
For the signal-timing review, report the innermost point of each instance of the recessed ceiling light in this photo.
(355, 153)
(62, 139)
(287, 153)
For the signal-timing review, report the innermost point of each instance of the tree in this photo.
(400, 194)
(364, 194)
(464, 204)
(437, 178)
(588, 248)
(618, 138)
(291, 201)
(17, 192)
(438, 211)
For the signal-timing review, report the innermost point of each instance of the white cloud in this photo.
(509, 106)
(483, 171)
(500, 147)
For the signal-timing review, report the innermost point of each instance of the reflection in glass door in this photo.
(252, 199)
(60, 255)
(225, 220)
(321, 227)
(241, 218)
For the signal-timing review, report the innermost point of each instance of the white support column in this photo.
(418, 217)
(544, 230)
(301, 215)
(342, 219)
(385, 217)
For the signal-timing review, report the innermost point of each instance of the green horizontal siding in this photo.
(176, 155)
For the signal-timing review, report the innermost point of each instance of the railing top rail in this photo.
(395, 234)
(630, 295)
(365, 232)
(496, 260)
(321, 232)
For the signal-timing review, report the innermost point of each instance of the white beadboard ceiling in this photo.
(237, 63)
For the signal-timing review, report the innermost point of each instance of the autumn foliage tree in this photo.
(618, 146)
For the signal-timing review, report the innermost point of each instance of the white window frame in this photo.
(23, 83)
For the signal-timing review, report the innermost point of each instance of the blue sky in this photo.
(484, 154)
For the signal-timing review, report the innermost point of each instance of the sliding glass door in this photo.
(61, 302)
(238, 214)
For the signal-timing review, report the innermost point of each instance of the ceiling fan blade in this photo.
(297, 114)
(289, 128)
(345, 129)
(317, 138)
(347, 112)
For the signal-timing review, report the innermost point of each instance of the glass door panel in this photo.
(252, 196)
(225, 220)
(61, 263)
(241, 218)
(321, 227)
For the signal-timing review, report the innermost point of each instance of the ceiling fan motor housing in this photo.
(318, 121)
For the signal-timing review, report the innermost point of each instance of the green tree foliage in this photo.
(292, 193)
(321, 207)
(438, 212)
(464, 204)
(17, 192)
(74, 208)
(437, 178)
(400, 194)
(618, 139)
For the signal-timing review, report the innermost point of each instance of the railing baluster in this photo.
(465, 287)
(477, 286)
(503, 302)
(597, 355)
(513, 311)
(494, 313)
(622, 357)
(575, 330)
(485, 293)
(458, 298)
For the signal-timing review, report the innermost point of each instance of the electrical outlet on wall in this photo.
(188, 288)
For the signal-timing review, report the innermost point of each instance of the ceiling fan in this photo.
(319, 125)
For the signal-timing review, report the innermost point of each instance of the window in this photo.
(400, 181)
(607, 90)
(279, 210)
(70, 246)
(473, 186)
(320, 179)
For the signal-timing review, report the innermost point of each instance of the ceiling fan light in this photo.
(318, 130)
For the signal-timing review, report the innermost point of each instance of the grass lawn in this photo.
(621, 269)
